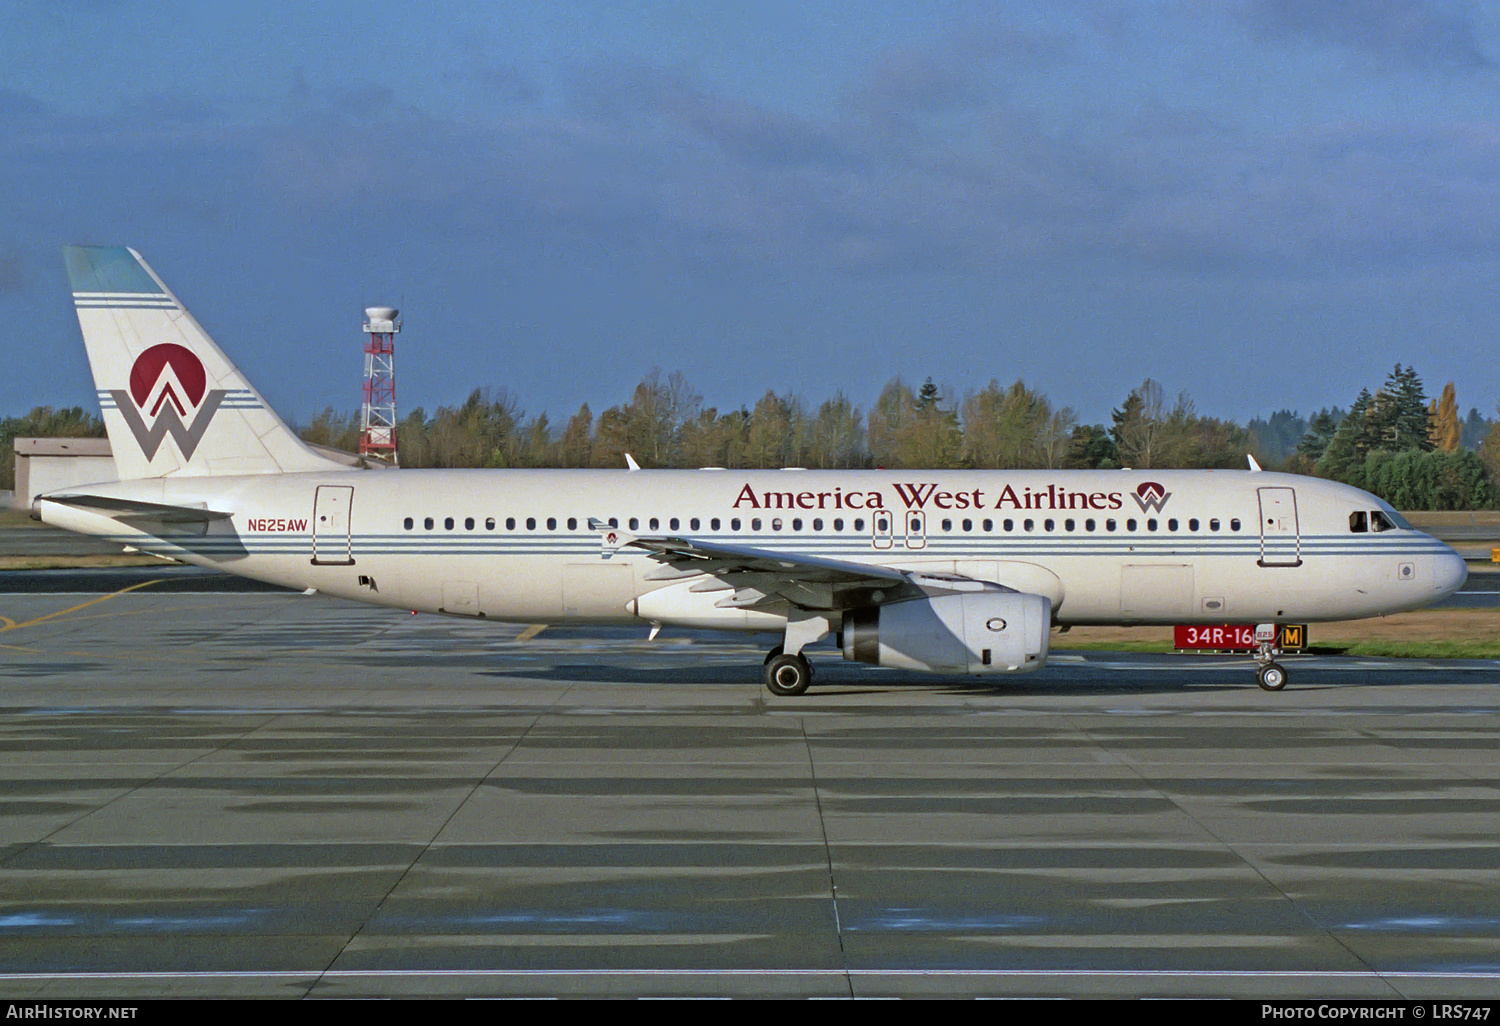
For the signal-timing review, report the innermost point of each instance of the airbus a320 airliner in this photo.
(948, 571)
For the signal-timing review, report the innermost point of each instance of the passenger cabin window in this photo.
(551, 523)
(489, 523)
(572, 523)
(408, 523)
(510, 523)
(531, 523)
(448, 523)
(468, 523)
(427, 523)
(674, 524)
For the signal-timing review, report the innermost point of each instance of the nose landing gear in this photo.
(1269, 673)
(1271, 677)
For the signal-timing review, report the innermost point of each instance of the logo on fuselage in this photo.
(1150, 496)
(167, 382)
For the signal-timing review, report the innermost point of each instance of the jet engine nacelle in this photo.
(968, 632)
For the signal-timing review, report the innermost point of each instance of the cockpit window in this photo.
(1379, 521)
(1358, 522)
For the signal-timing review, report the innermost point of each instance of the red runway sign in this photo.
(1238, 637)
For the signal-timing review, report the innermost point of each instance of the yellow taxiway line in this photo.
(11, 625)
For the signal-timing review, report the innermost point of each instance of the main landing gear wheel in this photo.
(787, 674)
(1271, 677)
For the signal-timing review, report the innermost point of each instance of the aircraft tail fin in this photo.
(173, 403)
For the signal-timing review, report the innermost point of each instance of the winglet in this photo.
(1254, 467)
(611, 539)
(630, 463)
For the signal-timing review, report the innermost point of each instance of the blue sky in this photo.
(1265, 203)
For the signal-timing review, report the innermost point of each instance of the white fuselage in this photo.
(1107, 547)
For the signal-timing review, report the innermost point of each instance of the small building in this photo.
(47, 464)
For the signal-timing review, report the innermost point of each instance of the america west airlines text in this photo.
(918, 496)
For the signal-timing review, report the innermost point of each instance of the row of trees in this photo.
(1414, 452)
(665, 424)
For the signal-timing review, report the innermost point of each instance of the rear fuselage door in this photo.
(1280, 543)
(331, 541)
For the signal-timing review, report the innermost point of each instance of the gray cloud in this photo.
(1417, 33)
(645, 161)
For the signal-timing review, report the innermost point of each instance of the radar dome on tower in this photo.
(382, 320)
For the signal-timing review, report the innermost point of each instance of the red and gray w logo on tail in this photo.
(177, 382)
(165, 381)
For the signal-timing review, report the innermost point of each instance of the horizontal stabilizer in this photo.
(122, 509)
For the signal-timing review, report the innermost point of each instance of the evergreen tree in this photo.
(1397, 416)
(1344, 457)
(1136, 425)
(1320, 431)
(1475, 428)
(1278, 438)
(1091, 448)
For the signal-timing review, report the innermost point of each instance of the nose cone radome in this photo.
(1449, 573)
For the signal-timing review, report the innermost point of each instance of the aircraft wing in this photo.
(753, 576)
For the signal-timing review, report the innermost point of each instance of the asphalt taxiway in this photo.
(275, 795)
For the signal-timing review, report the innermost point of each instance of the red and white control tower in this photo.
(377, 417)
